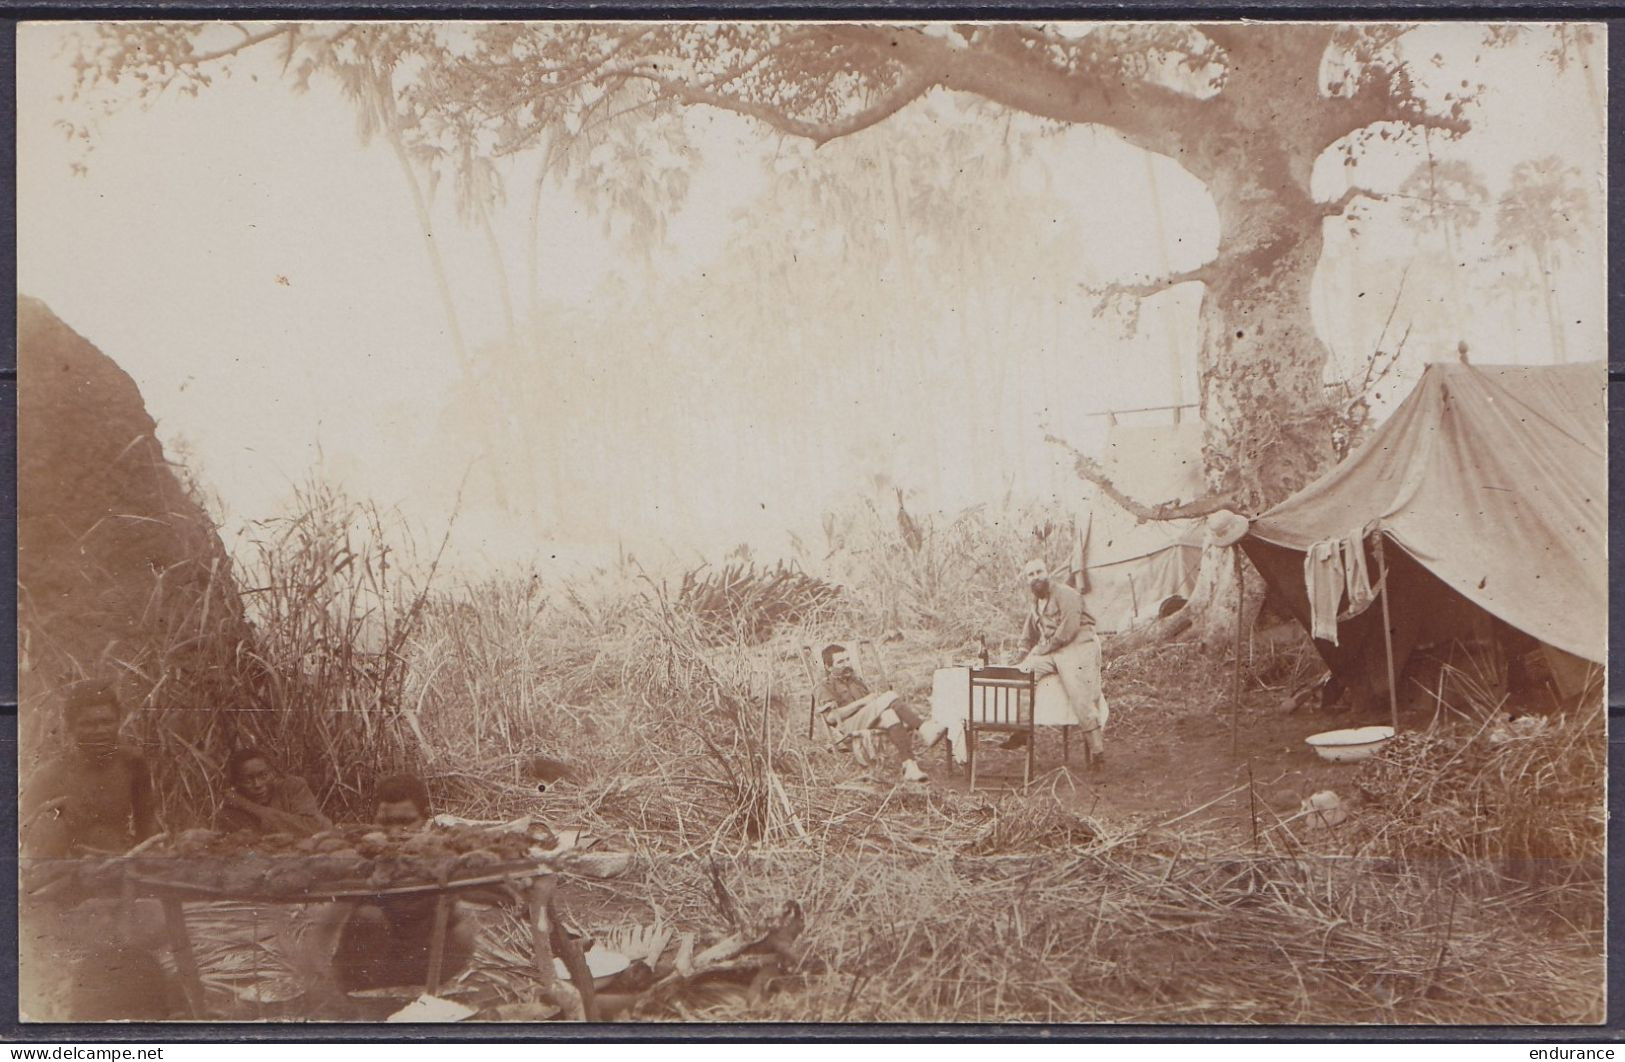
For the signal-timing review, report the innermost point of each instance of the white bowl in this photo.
(1346, 746)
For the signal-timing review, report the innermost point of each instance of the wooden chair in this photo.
(1000, 700)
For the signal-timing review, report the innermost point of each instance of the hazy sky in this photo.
(261, 275)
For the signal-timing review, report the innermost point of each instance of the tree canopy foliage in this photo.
(1248, 109)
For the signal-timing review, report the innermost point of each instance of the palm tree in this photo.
(1544, 208)
(1445, 197)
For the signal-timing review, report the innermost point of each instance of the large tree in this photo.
(1247, 109)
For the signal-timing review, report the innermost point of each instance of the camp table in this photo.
(545, 934)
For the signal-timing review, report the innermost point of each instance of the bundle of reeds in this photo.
(743, 601)
(1154, 926)
(1530, 796)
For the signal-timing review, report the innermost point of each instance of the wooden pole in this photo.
(767, 700)
(180, 947)
(566, 948)
(1032, 726)
(812, 684)
(541, 891)
(437, 943)
(1176, 364)
(1387, 635)
(543, 932)
(1113, 413)
(1235, 681)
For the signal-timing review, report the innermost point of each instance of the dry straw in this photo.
(683, 719)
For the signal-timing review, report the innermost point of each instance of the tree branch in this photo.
(248, 41)
(997, 64)
(1089, 469)
(1146, 289)
(1384, 95)
(1343, 202)
(1148, 115)
(909, 88)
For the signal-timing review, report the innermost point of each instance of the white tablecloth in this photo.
(950, 685)
(950, 688)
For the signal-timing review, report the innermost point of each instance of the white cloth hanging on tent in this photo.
(1337, 582)
(1356, 577)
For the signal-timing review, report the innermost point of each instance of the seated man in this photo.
(93, 960)
(1060, 638)
(97, 796)
(846, 706)
(384, 942)
(260, 800)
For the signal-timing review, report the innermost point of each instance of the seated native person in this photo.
(384, 942)
(259, 799)
(844, 702)
(95, 797)
(92, 960)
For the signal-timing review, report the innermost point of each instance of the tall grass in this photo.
(331, 646)
(959, 578)
(299, 650)
(1525, 796)
(923, 903)
(193, 657)
(336, 593)
(741, 602)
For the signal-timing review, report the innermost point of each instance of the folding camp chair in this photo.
(1001, 700)
(814, 671)
(811, 669)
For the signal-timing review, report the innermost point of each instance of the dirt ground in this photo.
(1157, 772)
(1157, 769)
(1172, 763)
(999, 888)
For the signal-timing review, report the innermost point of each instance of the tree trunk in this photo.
(499, 266)
(1209, 617)
(533, 245)
(1263, 365)
(1214, 602)
(1262, 379)
(389, 120)
(1543, 276)
(544, 407)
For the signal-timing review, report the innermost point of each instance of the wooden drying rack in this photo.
(547, 936)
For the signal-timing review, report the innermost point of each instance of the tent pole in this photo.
(1387, 635)
(1235, 681)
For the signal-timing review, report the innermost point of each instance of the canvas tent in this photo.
(1488, 486)
(1132, 567)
